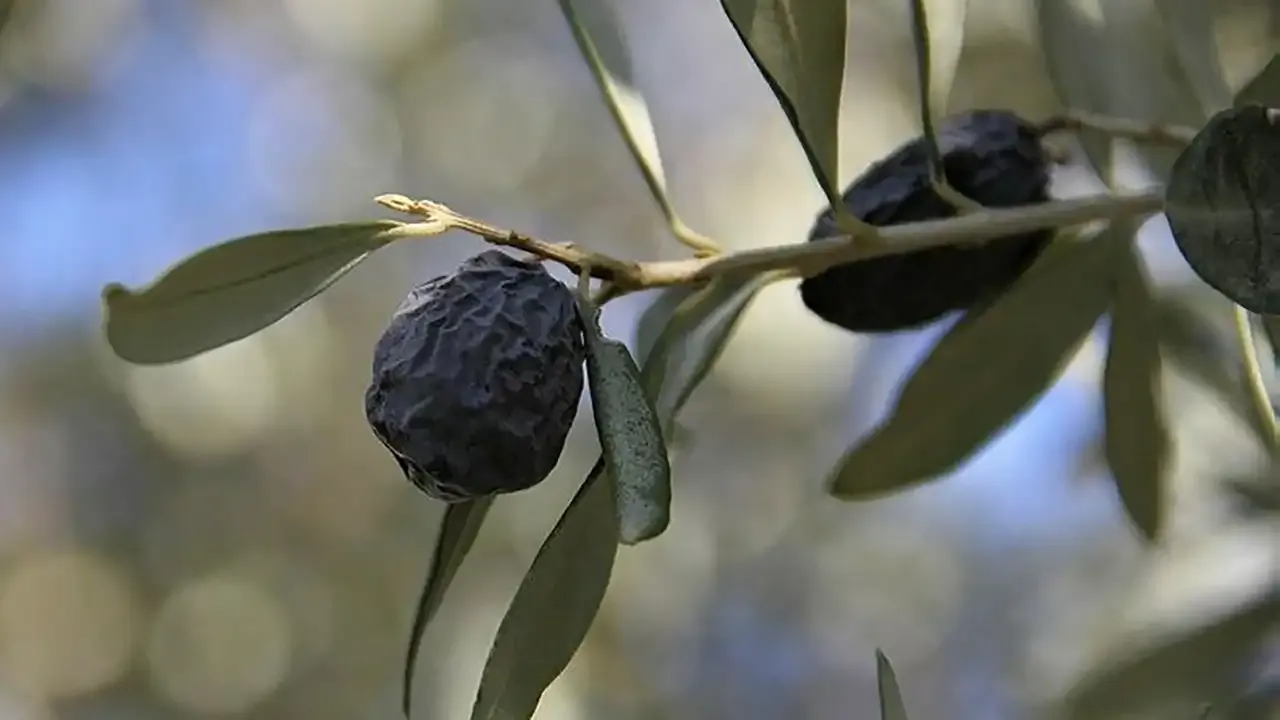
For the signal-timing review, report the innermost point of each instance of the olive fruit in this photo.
(992, 157)
(477, 379)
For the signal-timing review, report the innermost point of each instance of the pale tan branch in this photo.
(1135, 130)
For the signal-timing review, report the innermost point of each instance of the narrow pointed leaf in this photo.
(1191, 663)
(983, 374)
(630, 435)
(693, 340)
(458, 531)
(1189, 28)
(232, 290)
(799, 48)
(931, 92)
(1075, 50)
(1137, 439)
(655, 318)
(598, 33)
(891, 705)
(1264, 88)
(555, 605)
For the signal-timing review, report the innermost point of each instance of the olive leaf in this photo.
(891, 705)
(231, 290)
(458, 530)
(1191, 663)
(630, 435)
(657, 315)
(1075, 51)
(1219, 204)
(693, 340)
(983, 374)
(1264, 88)
(599, 36)
(928, 86)
(1137, 439)
(555, 605)
(1189, 27)
(799, 48)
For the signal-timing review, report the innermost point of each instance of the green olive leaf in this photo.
(1220, 204)
(555, 605)
(688, 347)
(231, 290)
(1264, 88)
(1190, 662)
(1189, 28)
(630, 435)
(598, 33)
(458, 530)
(799, 48)
(891, 705)
(931, 92)
(1075, 51)
(1136, 439)
(657, 316)
(983, 374)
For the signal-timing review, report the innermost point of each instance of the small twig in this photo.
(1137, 131)
(1257, 386)
(806, 258)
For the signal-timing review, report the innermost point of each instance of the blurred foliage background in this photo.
(224, 537)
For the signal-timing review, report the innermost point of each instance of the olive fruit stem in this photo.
(1253, 378)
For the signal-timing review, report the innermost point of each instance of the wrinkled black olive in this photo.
(477, 379)
(991, 156)
(1221, 203)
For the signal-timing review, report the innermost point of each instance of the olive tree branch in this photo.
(803, 259)
(1257, 386)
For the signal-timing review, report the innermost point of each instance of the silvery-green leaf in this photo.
(555, 605)
(657, 315)
(1075, 49)
(1137, 439)
(693, 340)
(799, 48)
(931, 93)
(1189, 665)
(598, 32)
(1189, 29)
(458, 530)
(630, 434)
(229, 291)
(1264, 88)
(891, 705)
(983, 374)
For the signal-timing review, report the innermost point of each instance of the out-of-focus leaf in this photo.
(1264, 88)
(1220, 204)
(931, 92)
(1189, 28)
(653, 321)
(1075, 49)
(799, 48)
(630, 435)
(599, 36)
(231, 290)
(1137, 441)
(891, 705)
(555, 605)
(1118, 62)
(693, 341)
(458, 531)
(1193, 663)
(983, 374)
